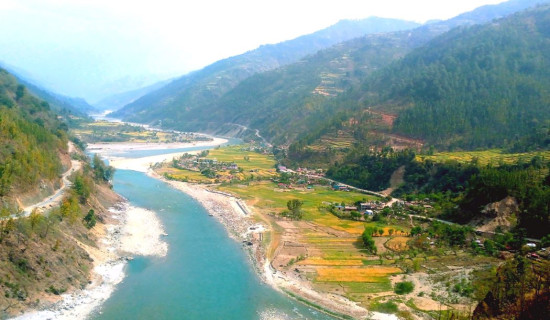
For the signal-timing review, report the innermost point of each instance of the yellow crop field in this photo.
(324, 262)
(397, 244)
(368, 274)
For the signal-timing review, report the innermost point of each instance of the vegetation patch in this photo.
(403, 287)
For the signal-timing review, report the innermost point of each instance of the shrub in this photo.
(387, 307)
(404, 287)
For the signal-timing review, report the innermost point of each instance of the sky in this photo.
(93, 48)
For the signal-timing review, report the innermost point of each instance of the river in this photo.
(205, 274)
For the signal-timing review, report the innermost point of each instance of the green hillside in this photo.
(483, 86)
(31, 138)
(290, 101)
(473, 87)
(294, 100)
(177, 101)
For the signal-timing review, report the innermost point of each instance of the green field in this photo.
(237, 154)
(268, 197)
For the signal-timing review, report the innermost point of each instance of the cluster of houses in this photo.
(365, 208)
(195, 163)
(257, 147)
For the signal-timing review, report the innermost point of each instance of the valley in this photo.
(375, 169)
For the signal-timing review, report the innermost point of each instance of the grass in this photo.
(256, 165)
(266, 198)
(492, 156)
(370, 287)
(384, 307)
(184, 175)
(104, 131)
(237, 154)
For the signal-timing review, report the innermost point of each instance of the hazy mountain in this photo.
(119, 100)
(202, 87)
(60, 103)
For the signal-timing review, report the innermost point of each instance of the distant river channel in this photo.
(205, 275)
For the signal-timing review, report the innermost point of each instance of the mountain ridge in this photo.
(293, 99)
(214, 80)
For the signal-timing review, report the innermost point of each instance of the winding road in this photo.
(58, 195)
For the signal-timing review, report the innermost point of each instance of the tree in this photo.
(368, 241)
(295, 208)
(102, 172)
(35, 218)
(355, 215)
(90, 219)
(416, 231)
(390, 231)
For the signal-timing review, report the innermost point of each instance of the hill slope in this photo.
(31, 139)
(483, 86)
(288, 101)
(169, 105)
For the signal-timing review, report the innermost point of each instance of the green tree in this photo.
(35, 218)
(90, 219)
(295, 208)
(416, 231)
(368, 241)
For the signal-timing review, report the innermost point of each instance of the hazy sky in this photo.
(81, 47)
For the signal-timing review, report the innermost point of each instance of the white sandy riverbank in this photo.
(107, 147)
(130, 231)
(143, 164)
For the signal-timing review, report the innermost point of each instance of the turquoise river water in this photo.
(205, 275)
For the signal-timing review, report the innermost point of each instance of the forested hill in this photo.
(31, 139)
(482, 86)
(294, 100)
(170, 105)
(473, 87)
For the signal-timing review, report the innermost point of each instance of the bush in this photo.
(386, 307)
(403, 287)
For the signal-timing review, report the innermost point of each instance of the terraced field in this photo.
(493, 156)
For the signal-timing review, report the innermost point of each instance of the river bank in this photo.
(123, 237)
(237, 219)
(126, 231)
(243, 228)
